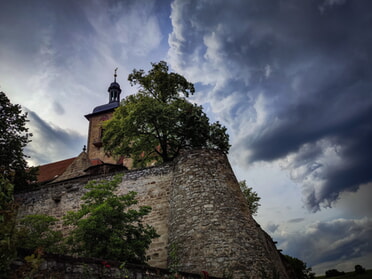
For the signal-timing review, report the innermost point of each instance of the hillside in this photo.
(351, 275)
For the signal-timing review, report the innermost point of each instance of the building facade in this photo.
(197, 206)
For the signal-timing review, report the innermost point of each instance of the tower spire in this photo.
(115, 75)
(114, 89)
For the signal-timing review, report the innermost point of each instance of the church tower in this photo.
(96, 118)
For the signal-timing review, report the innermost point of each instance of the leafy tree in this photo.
(7, 226)
(300, 269)
(35, 231)
(251, 197)
(14, 137)
(359, 269)
(13, 174)
(107, 227)
(158, 121)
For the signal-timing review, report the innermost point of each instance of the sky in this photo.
(291, 80)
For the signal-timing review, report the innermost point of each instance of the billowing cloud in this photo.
(292, 82)
(65, 52)
(329, 242)
(290, 79)
(50, 143)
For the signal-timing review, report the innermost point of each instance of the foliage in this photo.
(14, 174)
(174, 260)
(35, 231)
(107, 226)
(299, 267)
(14, 137)
(33, 263)
(359, 269)
(158, 121)
(251, 197)
(8, 214)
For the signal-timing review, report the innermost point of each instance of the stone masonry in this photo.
(209, 212)
(197, 207)
(95, 149)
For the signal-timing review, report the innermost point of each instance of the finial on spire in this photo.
(114, 89)
(115, 75)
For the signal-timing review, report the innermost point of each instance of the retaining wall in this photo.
(197, 208)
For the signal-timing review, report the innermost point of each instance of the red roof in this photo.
(51, 171)
(95, 162)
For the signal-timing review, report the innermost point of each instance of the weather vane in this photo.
(115, 75)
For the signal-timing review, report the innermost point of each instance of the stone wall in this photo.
(197, 207)
(208, 211)
(151, 184)
(66, 267)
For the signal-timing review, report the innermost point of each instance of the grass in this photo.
(351, 275)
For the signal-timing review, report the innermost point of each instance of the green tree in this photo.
(14, 137)
(359, 269)
(35, 231)
(251, 197)
(7, 226)
(14, 174)
(300, 269)
(107, 226)
(158, 121)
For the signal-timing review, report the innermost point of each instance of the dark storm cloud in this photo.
(57, 57)
(51, 143)
(301, 78)
(42, 26)
(331, 241)
(296, 220)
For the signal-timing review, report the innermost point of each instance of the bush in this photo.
(299, 268)
(359, 269)
(35, 232)
(107, 226)
(8, 212)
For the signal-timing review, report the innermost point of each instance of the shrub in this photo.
(36, 231)
(107, 226)
(359, 269)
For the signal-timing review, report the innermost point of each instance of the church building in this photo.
(93, 159)
(197, 205)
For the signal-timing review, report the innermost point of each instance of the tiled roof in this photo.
(71, 168)
(103, 108)
(76, 168)
(51, 171)
(95, 162)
